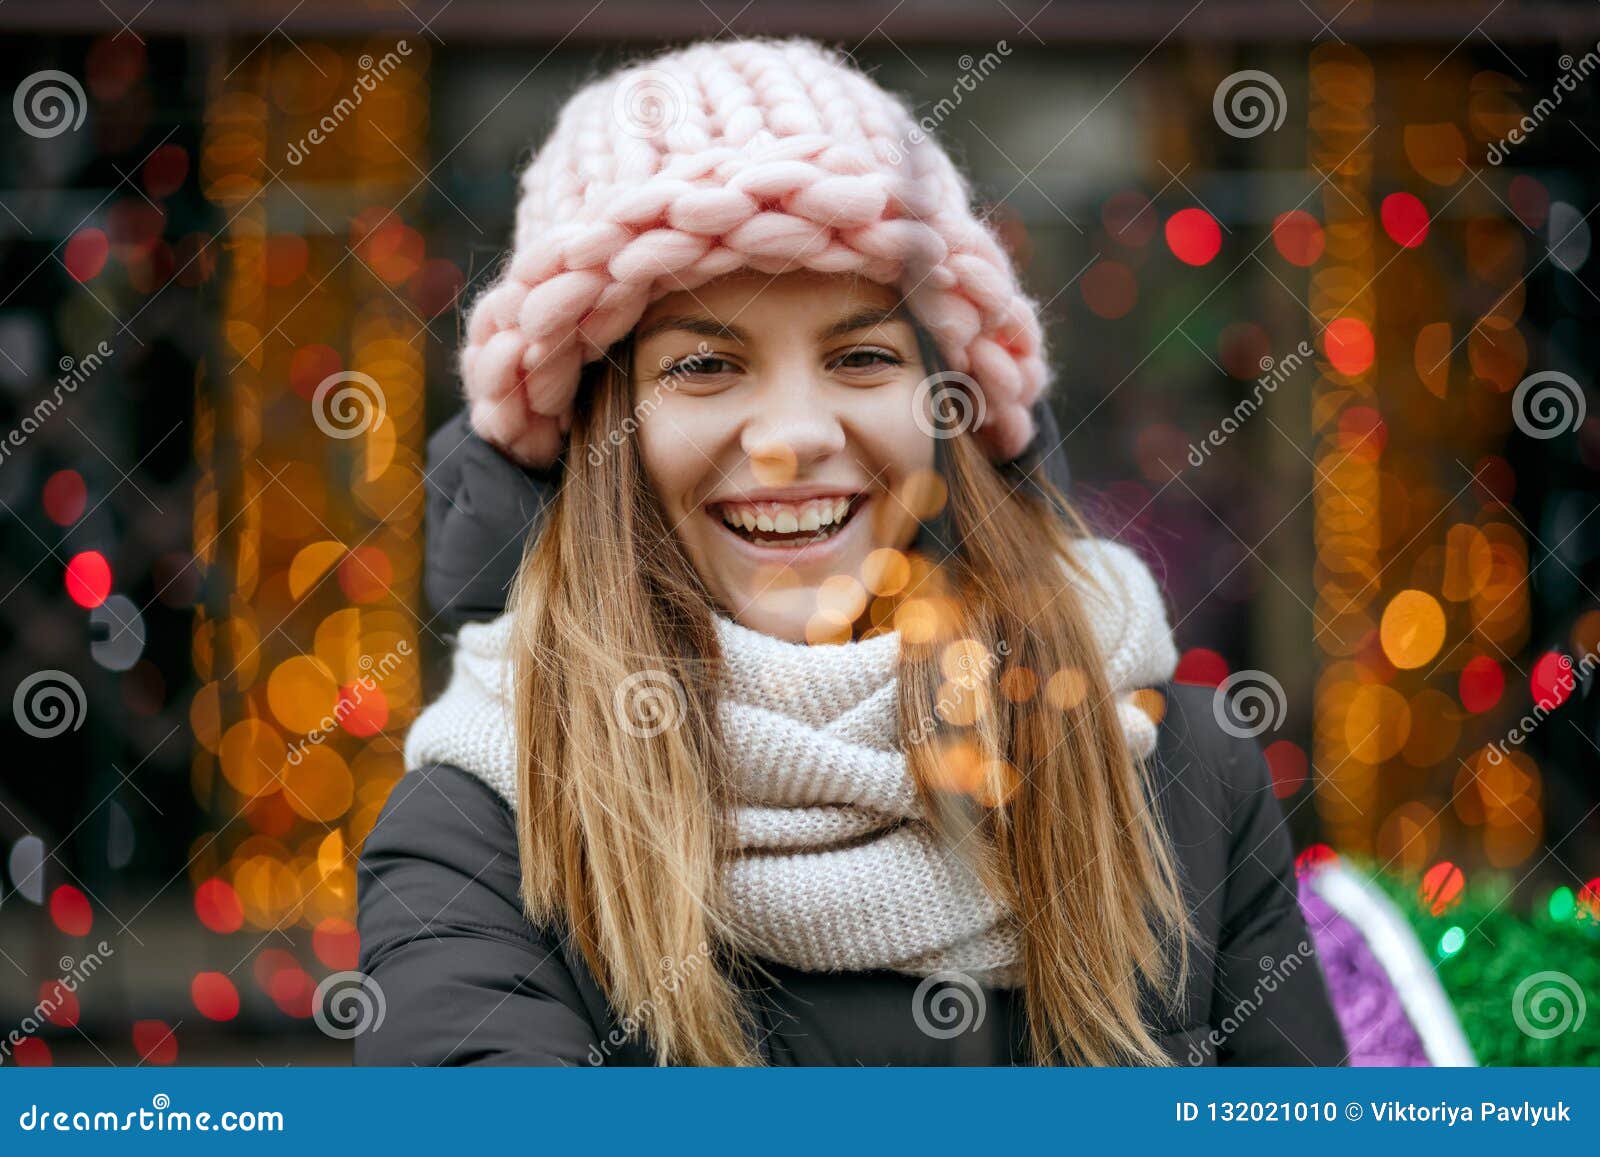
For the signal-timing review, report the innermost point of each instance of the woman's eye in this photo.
(698, 364)
(867, 360)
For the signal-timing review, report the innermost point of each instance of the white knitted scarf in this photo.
(836, 866)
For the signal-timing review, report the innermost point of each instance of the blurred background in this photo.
(1321, 303)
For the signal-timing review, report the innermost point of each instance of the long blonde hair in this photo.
(621, 826)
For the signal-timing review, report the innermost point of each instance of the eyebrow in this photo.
(704, 326)
(711, 328)
(863, 319)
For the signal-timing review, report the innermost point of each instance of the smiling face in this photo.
(775, 423)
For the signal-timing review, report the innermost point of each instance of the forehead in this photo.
(748, 291)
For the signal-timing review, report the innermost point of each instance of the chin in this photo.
(772, 578)
(788, 627)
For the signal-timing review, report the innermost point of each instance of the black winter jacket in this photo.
(468, 980)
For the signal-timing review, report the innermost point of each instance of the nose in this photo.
(793, 424)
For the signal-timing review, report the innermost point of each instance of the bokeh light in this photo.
(1298, 237)
(88, 578)
(1405, 219)
(1194, 236)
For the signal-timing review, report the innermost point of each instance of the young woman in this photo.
(816, 729)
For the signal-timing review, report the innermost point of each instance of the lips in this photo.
(793, 522)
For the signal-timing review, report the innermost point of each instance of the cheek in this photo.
(678, 446)
(887, 424)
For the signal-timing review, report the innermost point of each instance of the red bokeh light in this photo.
(1202, 667)
(1289, 766)
(392, 250)
(1405, 219)
(1298, 237)
(337, 944)
(1481, 684)
(1589, 900)
(1349, 345)
(1529, 200)
(165, 171)
(217, 905)
(155, 1042)
(60, 1004)
(1494, 479)
(270, 962)
(436, 286)
(214, 996)
(1109, 290)
(1129, 218)
(1363, 433)
(292, 990)
(85, 254)
(287, 256)
(365, 574)
(362, 711)
(31, 1053)
(271, 815)
(69, 909)
(65, 497)
(1313, 858)
(1194, 236)
(88, 578)
(113, 63)
(1551, 680)
(310, 366)
(1441, 887)
(134, 226)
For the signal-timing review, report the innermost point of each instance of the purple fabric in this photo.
(1376, 1028)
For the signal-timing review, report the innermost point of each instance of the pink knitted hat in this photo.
(726, 155)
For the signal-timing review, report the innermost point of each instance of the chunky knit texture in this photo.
(837, 867)
(729, 155)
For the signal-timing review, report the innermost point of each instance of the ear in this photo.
(482, 506)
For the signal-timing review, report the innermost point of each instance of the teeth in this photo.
(817, 514)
